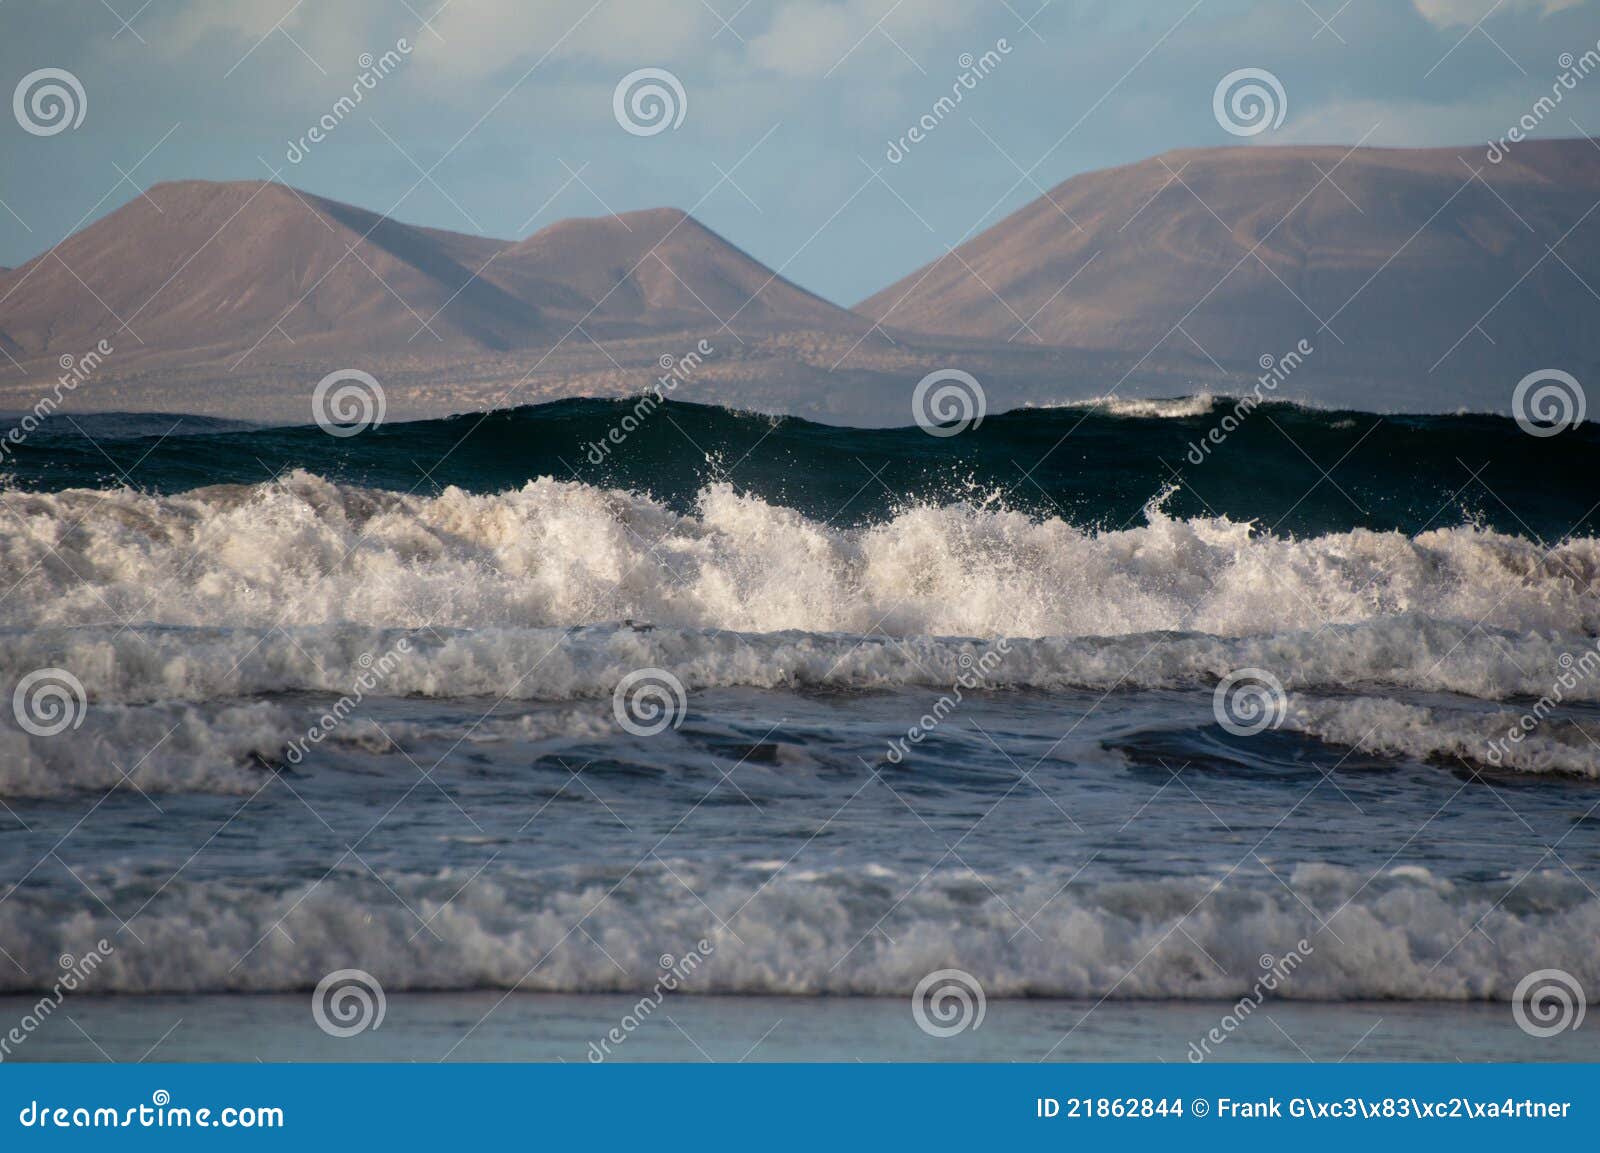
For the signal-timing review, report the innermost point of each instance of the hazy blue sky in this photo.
(508, 105)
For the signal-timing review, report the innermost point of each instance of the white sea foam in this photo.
(1159, 408)
(1401, 934)
(1457, 736)
(1406, 652)
(307, 551)
(152, 749)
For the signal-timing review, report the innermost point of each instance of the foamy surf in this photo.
(552, 553)
(329, 722)
(1399, 934)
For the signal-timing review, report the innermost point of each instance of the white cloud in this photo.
(812, 37)
(1465, 13)
(488, 35)
(466, 38)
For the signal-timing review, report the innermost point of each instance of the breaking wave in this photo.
(1400, 934)
(310, 551)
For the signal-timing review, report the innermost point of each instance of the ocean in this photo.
(1068, 735)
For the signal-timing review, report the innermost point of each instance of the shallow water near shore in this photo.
(526, 1027)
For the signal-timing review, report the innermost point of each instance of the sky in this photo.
(789, 119)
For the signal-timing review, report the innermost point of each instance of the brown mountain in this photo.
(655, 267)
(197, 272)
(1409, 260)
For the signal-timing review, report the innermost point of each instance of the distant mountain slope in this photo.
(196, 271)
(1400, 251)
(653, 266)
(204, 267)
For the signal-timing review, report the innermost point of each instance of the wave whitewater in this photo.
(1401, 934)
(553, 553)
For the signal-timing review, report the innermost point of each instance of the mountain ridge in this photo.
(1386, 259)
